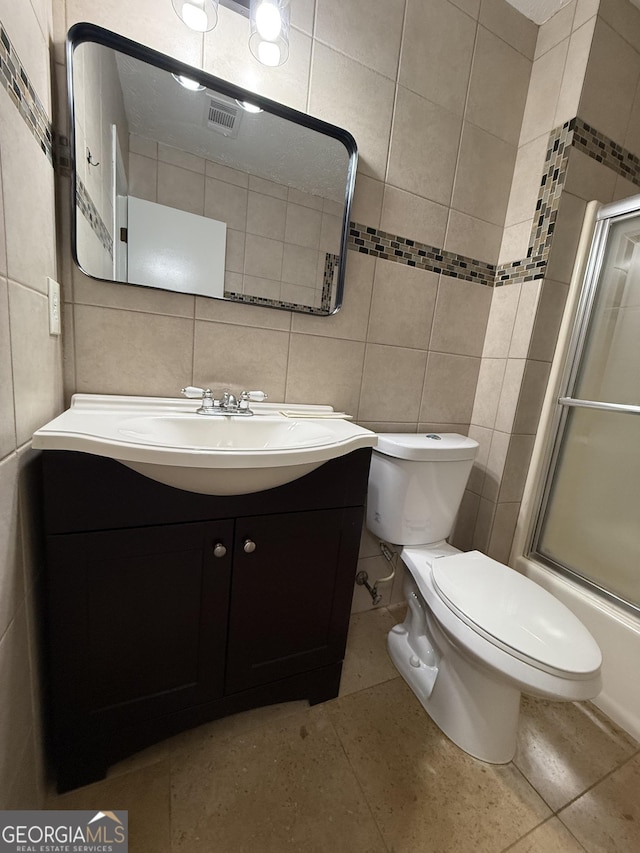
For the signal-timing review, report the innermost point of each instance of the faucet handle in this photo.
(209, 405)
(254, 396)
(194, 393)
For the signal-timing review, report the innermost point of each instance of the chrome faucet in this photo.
(229, 404)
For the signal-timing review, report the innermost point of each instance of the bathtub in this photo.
(616, 629)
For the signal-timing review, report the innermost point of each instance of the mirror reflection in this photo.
(184, 182)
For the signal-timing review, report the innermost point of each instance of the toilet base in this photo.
(478, 712)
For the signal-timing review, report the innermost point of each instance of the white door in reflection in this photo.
(175, 250)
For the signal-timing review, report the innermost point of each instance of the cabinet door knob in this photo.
(249, 546)
(219, 550)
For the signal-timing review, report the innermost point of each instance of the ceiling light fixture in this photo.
(269, 31)
(188, 83)
(248, 106)
(198, 15)
(269, 22)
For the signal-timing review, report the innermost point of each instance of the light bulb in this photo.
(188, 83)
(249, 107)
(269, 28)
(194, 17)
(269, 53)
(268, 21)
(198, 15)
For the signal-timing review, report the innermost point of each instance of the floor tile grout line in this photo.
(590, 788)
(357, 779)
(533, 788)
(536, 828)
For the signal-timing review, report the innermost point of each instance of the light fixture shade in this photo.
(198, 15)
(248, 106)
(188, 83)
(269, 38)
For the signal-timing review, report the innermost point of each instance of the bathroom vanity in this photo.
(168, 608)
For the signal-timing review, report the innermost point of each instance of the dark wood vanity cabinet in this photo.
(166, 609)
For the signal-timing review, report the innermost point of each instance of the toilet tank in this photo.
(416, 483)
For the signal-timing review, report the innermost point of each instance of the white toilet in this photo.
(477, 633)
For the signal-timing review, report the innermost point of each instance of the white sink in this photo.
(225, 432)
(165, 440)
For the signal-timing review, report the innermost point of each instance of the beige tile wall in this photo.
(443, 175)
(30, 395)
(277, 236)
(524, 318)
(411, 349)
(441, 161)
(557, 77)
(600, 83)
(423, 89)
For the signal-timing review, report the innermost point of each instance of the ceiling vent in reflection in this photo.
(224, 118)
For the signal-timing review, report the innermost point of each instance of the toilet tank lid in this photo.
(426, 447)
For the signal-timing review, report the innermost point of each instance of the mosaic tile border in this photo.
(16, 81)
(573, 134)
(380, 244)
(234, 296)
(328, 277)
(330, 267)
(372, 241)
(599, 147)
(551, 186)
(90, 212)
(517, 272)
(402, 250)
(63, 155)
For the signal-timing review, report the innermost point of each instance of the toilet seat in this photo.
(531, 677)
(515, 614)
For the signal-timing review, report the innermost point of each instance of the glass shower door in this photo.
(589, 522)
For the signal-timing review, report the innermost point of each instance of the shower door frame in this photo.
(564, 401)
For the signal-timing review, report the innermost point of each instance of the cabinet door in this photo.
(291, 595)
(138, 620)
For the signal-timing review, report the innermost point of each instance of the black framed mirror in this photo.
(182, 181)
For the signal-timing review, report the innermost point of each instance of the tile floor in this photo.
(370, 773)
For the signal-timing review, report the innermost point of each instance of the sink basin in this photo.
(165, 440)
(225, 433)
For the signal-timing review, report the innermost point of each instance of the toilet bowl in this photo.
(477, 634)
